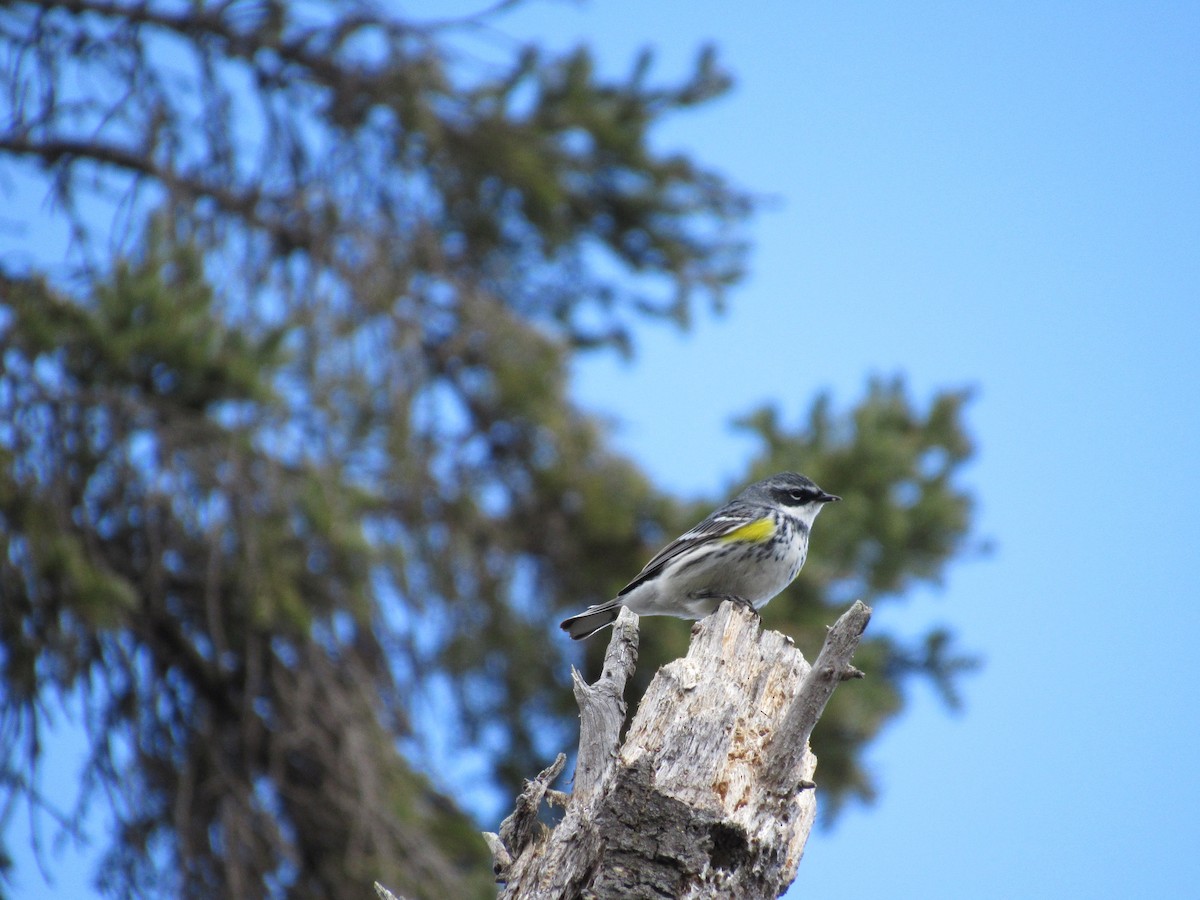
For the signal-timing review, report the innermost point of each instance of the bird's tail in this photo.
(591, 620)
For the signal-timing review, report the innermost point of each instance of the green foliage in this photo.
(212, 601)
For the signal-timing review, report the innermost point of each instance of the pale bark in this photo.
(711, 793)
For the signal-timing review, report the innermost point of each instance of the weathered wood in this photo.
(602, 708)
(707, 795)
(522, 827)
(831, 668)
(384, 894)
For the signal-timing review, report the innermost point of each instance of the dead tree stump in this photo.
(710, 794)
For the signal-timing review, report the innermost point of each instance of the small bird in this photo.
(749, 550)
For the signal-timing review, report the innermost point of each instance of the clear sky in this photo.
(1004, 196)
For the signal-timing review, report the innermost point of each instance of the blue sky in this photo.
(1004, 196)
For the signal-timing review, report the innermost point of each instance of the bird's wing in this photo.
(721, 523)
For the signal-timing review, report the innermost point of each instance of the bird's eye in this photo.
(797, 495)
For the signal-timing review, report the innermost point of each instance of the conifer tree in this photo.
(288, 465)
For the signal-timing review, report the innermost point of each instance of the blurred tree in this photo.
(288, 458)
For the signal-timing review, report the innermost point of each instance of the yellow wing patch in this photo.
(752, 532)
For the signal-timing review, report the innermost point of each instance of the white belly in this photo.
(694, 591)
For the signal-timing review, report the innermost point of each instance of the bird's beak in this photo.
(829, 498)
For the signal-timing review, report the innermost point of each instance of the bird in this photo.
(748, 550)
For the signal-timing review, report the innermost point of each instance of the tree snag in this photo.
(709, 795)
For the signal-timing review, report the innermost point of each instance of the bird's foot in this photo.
(732, 598)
